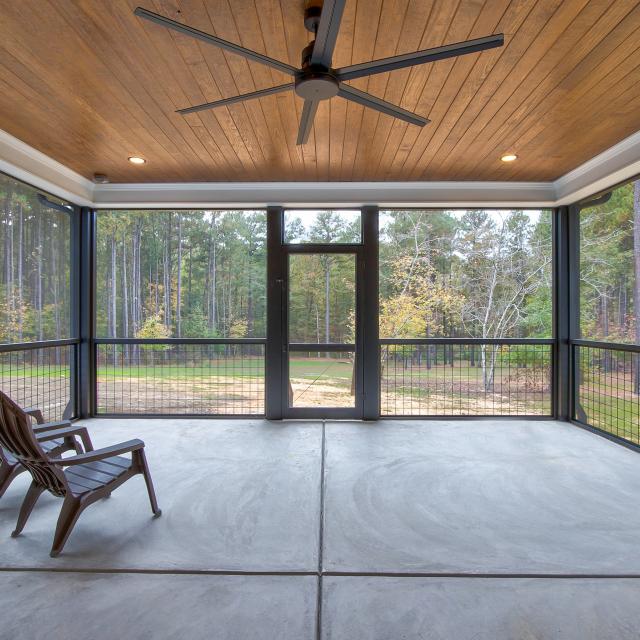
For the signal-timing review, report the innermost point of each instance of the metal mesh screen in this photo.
(39, 378)
(180, 379)
(609, 391)
(462, 379)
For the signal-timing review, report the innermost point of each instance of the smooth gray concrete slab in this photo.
(94, 606)
(235, 495)
(480, 609)
(479, 496)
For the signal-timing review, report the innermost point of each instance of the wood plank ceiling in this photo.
(89, 84)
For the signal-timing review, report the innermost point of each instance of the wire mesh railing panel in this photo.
(466, 380)
(39, 378)
(608, 390)
(193, 379)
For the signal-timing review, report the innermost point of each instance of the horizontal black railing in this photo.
(607, 388)
(41, 374)
(467, 377)
(180, 376)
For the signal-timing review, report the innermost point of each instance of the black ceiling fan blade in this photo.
(419, 57)
(241, 98)
(327, 33)
(373, 102)
(306, 121)
(218, 42)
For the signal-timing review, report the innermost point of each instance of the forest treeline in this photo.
(35, 266)
(474, 273)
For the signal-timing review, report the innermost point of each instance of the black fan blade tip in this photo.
(306, 121)
(260, 93)
(401, 61)
(192, 32)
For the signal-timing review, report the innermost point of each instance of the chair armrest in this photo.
(35, 413)
(77, 430)
(100, 454)
(48, 426)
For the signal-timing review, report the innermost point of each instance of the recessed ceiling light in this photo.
(509, 157)
(136, 160)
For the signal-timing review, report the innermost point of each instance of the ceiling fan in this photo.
(317, 80)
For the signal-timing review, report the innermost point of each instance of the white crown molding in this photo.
(620, 162)
(22, 161)
(616, 164)
(336, 194)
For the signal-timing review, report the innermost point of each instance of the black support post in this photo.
(275, 340)
(85, 306)
(369, 315)
(561, 309)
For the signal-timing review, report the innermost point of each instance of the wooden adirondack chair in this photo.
(64, 440)
(81, 479)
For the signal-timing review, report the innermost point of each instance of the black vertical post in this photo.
(85, 312)
(369, 316)
(573, 302)
(275, 331)
(74, 409)
(562, 385)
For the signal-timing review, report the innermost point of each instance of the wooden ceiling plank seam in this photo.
(400, 78)
(355, 112)
(215, 122)
(295, 37)
(191, 146)
(460, 91)
(420, 77)
(496, 61)
(44, 77)
(343, 57)
(173, 58)
(22, 121)
(383, 122)
(243, 140)
(270, 20)
(271, 134)
(33, 94)
(458, 28)
(161, 128)
(539, 92)
(86, 119)
(459, 75)
(443, 72)
(604, 93)
(519, 121)
(375, 85)
(279, 133)
(174, 93)
(526, 63)
(412, 166)
(207, 120)
(366, 21)
(612, 115)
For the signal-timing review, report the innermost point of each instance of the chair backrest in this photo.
(17, 437)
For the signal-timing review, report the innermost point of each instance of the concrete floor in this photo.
(434, 529)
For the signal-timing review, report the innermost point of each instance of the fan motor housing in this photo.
(316, 85)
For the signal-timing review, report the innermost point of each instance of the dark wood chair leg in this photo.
(29, 502)
(73, 442)
(71, 509)
(144, 468)
(8, 475)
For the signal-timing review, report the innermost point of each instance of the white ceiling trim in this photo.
(620, 162)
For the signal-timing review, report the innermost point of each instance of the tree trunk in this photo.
(125, 299)
(179, 281)
(20, 271)
(636, 286)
